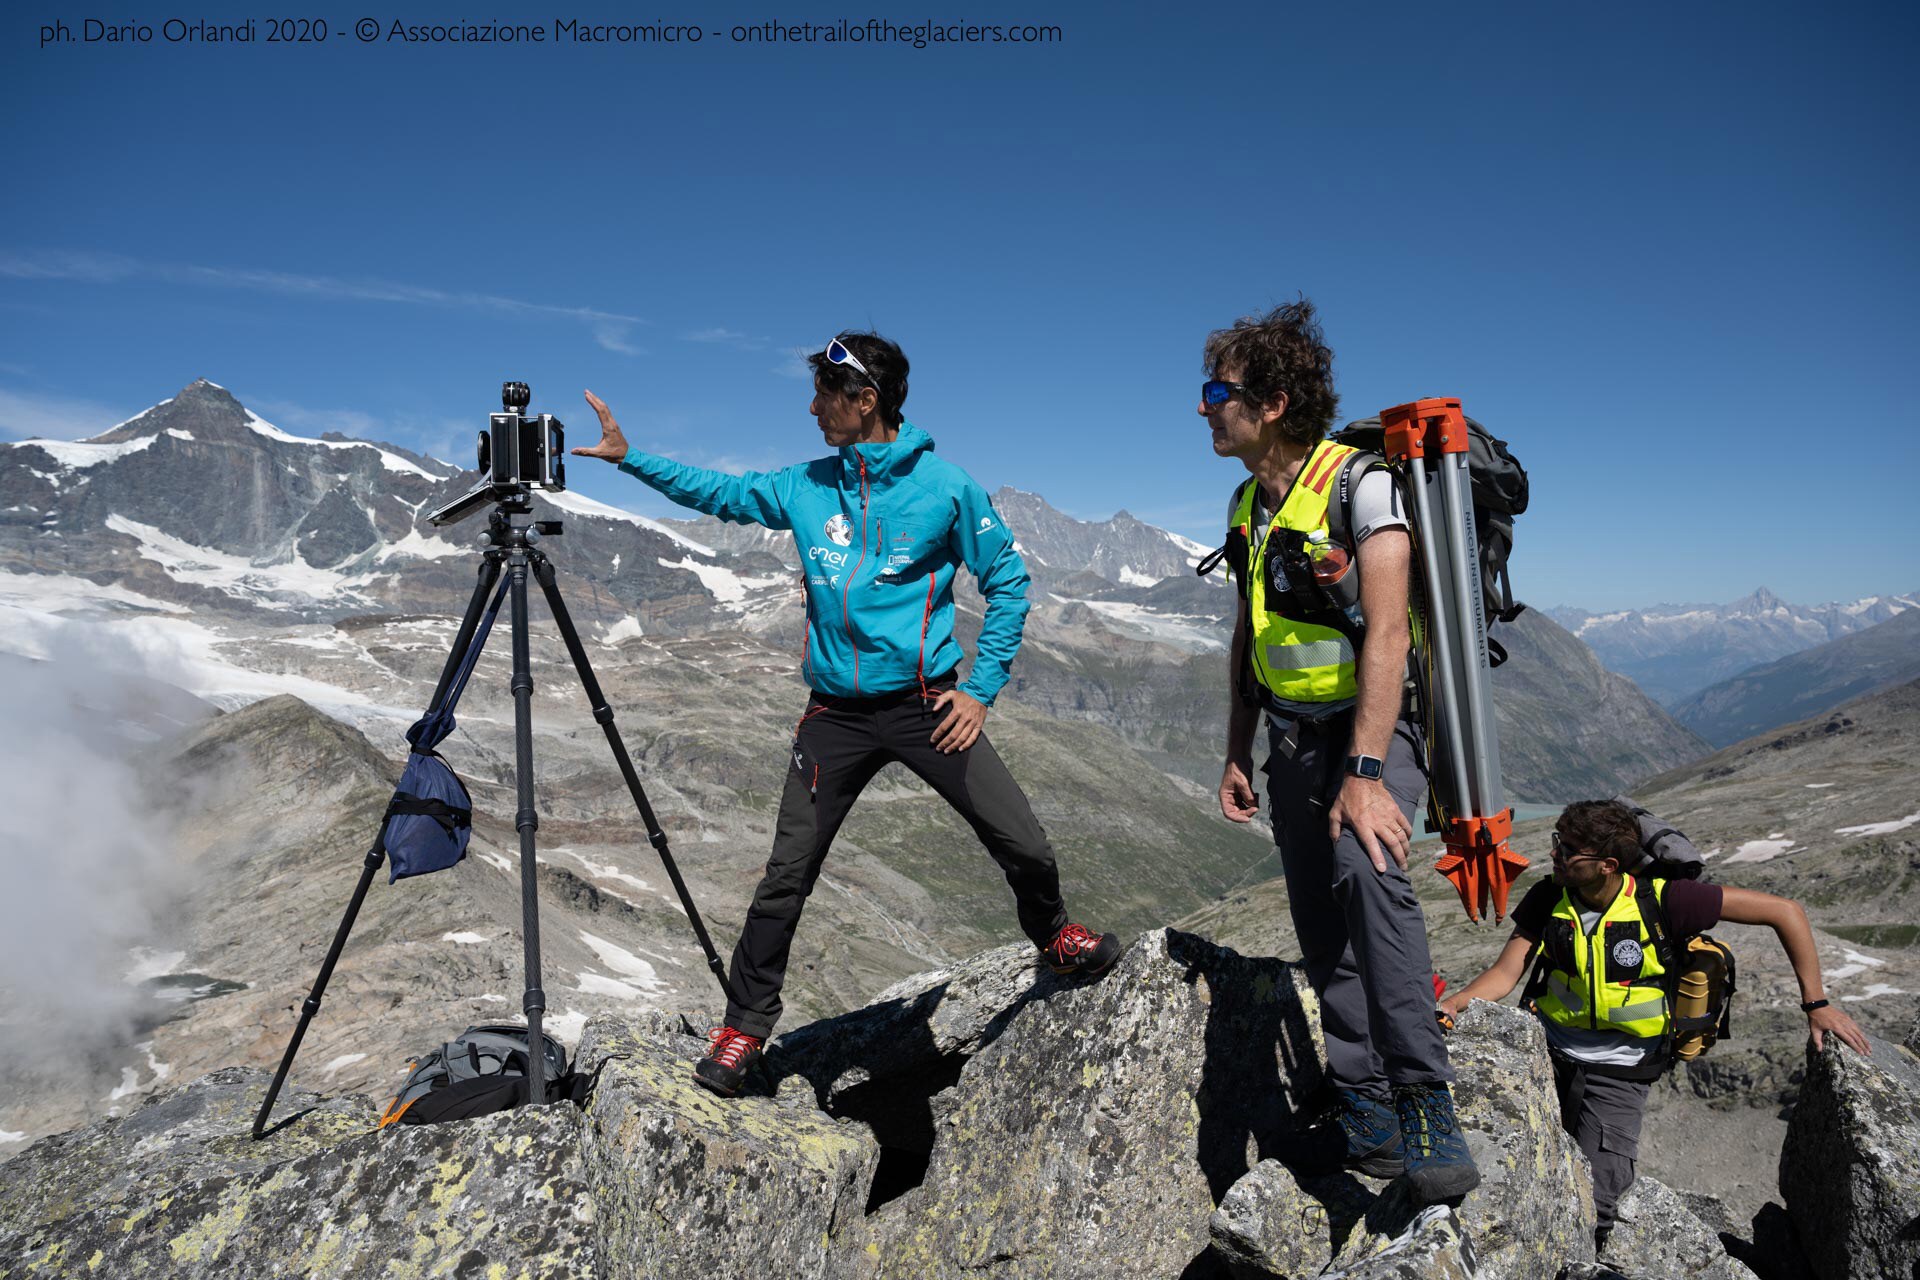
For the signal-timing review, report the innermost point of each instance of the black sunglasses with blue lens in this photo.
(1214, 392)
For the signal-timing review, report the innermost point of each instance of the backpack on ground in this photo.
(478, 1072)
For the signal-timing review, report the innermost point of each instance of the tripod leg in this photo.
(469, 622)
(375, 856)
(603, 713)
(528, 822)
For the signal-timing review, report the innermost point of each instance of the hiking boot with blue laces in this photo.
(1358, 1134)
(1439, 1167)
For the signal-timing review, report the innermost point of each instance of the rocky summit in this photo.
(988, 1118)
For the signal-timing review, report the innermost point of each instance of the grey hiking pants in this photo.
(1363, 938)
(1603, 1113)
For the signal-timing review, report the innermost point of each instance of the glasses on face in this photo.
(1566, 853)
(837, 353)
(1215, 392)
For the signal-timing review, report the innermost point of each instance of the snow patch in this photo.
(1818, 786)
(78, 455)
(628, 628)
(1184, 631)
(276, 586)
(1760, 850)
(584, 506)
(596, 984)
(421, 547)
(53, 593)
(465, 937)
(1879, 828)
(8, 1135)
(565, 1027)
(625, 963)
(728, 588)
(1131, 577)
(130, 1077)
(1875, 989)
(177, 433)
(344, 1060)
(391, 461)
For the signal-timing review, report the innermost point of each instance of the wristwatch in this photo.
(1372, 768)
(1810, 1005)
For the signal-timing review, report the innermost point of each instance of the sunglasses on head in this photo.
(837, 353)
(1215, 392)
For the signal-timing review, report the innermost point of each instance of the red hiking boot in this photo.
(730, 1056)
(1078, 950)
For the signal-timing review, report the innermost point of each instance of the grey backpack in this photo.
(1664, 850)
(478, 1072)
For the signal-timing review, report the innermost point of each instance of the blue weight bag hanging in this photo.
(430, 818)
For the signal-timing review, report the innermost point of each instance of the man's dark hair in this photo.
(1601, 827)
(884, 360)
(1281, 353)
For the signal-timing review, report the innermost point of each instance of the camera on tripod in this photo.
(518, 453)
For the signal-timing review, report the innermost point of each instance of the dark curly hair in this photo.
(1281, 353)
(1601, 827)
(884, 360)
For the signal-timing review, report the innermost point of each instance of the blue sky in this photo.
(1668, 252)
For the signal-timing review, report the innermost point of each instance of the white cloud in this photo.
(795, 365)
(30, 413)
(613, 336)
(105, 268)
(728, 337)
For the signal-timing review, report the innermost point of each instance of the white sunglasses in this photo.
(837, 353)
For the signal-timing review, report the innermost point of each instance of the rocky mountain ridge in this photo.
(1673, 651)
(984, 1118)
(1765, 697)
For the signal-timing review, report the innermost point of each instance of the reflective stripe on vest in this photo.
(1585, 999)
(1297, 661)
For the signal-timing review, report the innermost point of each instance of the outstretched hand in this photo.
(959, 728)
(613, 442)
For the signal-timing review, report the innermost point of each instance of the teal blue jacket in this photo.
(881, 530)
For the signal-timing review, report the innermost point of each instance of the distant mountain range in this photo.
(1806, 683)
(1675, 651)
(200, 511)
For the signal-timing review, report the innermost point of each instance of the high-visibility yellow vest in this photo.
(1295, 660)
(1610, 979)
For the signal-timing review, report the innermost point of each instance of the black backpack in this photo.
(478, 1072)
(1499, 494)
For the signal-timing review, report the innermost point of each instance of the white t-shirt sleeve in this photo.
(1376, 506)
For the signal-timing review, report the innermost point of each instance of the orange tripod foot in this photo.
(1479, 863)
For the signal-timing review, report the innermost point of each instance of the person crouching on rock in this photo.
(1600, 986)
(882, 526)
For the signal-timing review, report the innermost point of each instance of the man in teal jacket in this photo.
(882, 528)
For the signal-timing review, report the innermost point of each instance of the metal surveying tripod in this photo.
(510, 543)
(1429, 439)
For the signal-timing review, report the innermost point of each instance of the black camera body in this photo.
(518, 449)
(518, 453)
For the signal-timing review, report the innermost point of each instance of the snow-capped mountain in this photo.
(1674, 651)
(1122, 550)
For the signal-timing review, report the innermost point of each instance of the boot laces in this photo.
(1074, 939)
(728, 1046)
(1431, 1107)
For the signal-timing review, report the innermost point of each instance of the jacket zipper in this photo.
(846, 617)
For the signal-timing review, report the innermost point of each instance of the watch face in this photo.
(1368, 767)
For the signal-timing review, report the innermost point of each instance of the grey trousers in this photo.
(1363, 938)
(1603, 1113)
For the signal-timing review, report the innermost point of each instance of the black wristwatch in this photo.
(1810, 1005)
(1372, 768)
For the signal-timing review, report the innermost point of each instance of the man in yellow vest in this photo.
(1604, 994)
(1320, 556)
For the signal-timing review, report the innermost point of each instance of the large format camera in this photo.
(518, 453)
